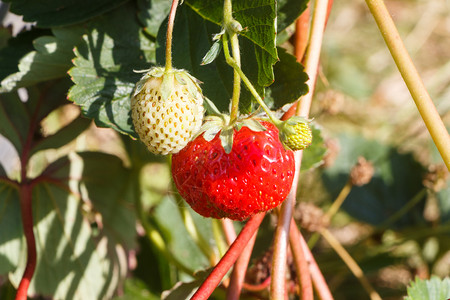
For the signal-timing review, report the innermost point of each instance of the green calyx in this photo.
(217, 122)
(169, 79)
(295, 133)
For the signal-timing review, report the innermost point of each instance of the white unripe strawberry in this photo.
(167, 109)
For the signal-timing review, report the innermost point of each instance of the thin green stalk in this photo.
(218, 237)
(332, 210)
(339, 200)
(173, 10)
(230, 60)
(228, 20)
(351, 263)
(412, 78)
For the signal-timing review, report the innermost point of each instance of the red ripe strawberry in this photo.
(255, 176)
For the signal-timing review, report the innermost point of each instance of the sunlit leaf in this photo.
(83, 225)
(434, 288)
(152, 14)
(171, 225)
(258, 19)
(103, 73)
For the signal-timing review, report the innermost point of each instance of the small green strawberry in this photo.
(167, 109)
(295, 133)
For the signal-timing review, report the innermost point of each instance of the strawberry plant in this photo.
(207, 149)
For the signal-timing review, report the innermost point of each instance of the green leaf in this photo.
(63, 136)
(50, 60)
(79, 255)
(184, 290)
(433, 289)
(288, 11)
(212, 54)
(14, 119)
(259, 19)
(103, 74)
(171, 225)
(51, 13)
(152, 14)
(15, 49)
(9, 212)
(135, 289)
(290, 80)
(443, 197)
(18, 118)
(313, 155)
(397, 180)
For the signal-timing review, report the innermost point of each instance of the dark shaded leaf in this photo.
(63, 136)
(9, 218)
(50, 60)
(313, 155)
(51, 13)
(15, 49)
(290, 80)
(103, 74)
(18, 118)
(397, 179)
(135, 289)
(288, 11)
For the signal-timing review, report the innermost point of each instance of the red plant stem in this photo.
(257, 287)
(219, 271)
(301, 34)
(301, 264)
(277, 285)
(27, 223)
(239, 271)
(318, 280)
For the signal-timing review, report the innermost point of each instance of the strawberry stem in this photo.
(228, 21)
(230, 60)
(173, 10)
